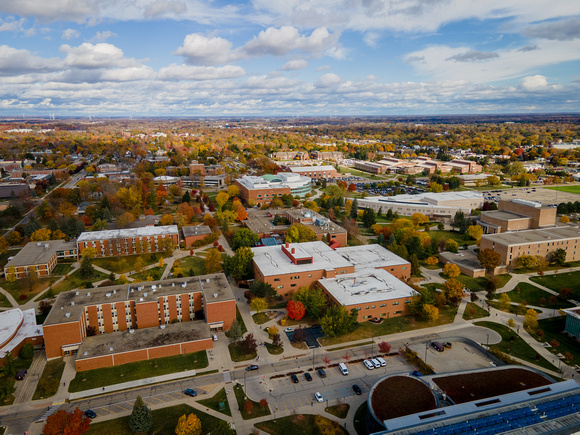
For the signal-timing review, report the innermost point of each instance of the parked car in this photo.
(321, 373)
(294, 379)
(316, 326)
(369, 365)
(91, 414)
(357, 389)
(307, 376)
(438, 346)
(381, 360)
(190, 392)
(289, 329)
(416, 373)
(21, 374)
(318, 397)
(376, 363)
(448, 345)
(252, 367)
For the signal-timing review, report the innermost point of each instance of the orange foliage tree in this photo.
(66, 423)
(296, 310)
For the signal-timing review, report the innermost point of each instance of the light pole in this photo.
(487, 344)
(313, 357)
(373, 346)
(245, 389)
(426, 348)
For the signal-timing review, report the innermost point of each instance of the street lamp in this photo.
(426, 348)
(487, 344)
(245, 389)
(373, 346)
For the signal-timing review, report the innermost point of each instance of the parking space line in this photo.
(119, 406)
(155, 398)
(293, 406)
(173, 397)
(108, 410)
(285, 407)
(299, 401)
(148, 403)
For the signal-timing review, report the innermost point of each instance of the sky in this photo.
(288, 57)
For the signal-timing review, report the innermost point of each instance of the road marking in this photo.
(299, 401)
(148, 403)
(119, 406)
(293, 406)
(208, 388)
(285, 407)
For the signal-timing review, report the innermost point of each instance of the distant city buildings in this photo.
(315, 172)
(418, 165)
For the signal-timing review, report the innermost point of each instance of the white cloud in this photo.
(141, 72)
(534, 83)
(65, 10)
(198, 49)
(294, 65)
(164, 7)
(11, 26)
(187, 72)
(14, 62)
(328, 80)
(70, 34)
(278, 42)
(103, 36)
(562, 30)
(101, 55)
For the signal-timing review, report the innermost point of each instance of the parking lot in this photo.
(460, 356)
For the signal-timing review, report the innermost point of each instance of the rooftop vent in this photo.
(47, 245)
(76, 293)
(145, 294)
(39, 244)
(131, 331)
(184, 285)
(153, 287)
(172, 284)
(66, 314)
(88, 293)
(110, 349)
(85, 353)
(215, 295)
(108, 295)
(207, 280)
(140, 299)
(72, 304)
(114, 292)
(161, 326)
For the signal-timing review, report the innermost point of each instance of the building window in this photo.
(395, 303)
(280, 286)
(383, 305)
(292, 285)
(277, 279)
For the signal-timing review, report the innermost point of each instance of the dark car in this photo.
(321, 373)
(307, 376)
(91, 414)
(294, 379)
(357, 389)
(416, 373)
(190, 392)
(252, 367)
(316, 326)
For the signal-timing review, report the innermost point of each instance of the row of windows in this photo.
(382, 305)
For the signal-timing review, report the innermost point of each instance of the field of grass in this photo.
(138, 370)
(514, 345)
(155, 273)
(391, 326)
(62, 269)
(357, 173)
(125, 264)
(49, 380)
(74, 280)
(274, 350)
(255, 411)
(193, 263)
(164, 421)
(260, 318)
(214, 402)
(552, 329)
(478, 284)
(236, 353)
(556, 282)
(303, 424)
(4, 302)
(474, 311)
(445, 234)
(568, 189)
(532, 295)
(340, 411)
(21, 287)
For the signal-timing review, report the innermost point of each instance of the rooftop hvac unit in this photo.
(145, 294)
(66, 314)
(172, 284)
(207, 280)
(114, 292)
(184, 285)
(88, 293)
(47, 245)
(72, 304)
(108, 295)
(153, 287)
(140, 299)
(131, 331)
(39, 244)
(161, 326)
(76, 293)
(215, 295)
(110, 349)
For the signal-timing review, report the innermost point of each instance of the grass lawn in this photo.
(62, 269)
(138, 370)
(514, 345)
(445, 234)
(154, 273)
(4, 302)
(50, 380)
(236, 353)
(193, 263)
(301, 424)
(255, 411)
(474, 311)
(164, 421)
(568, 189)
(357, 173)
(556, 282)
(532, 295)
(21, 287)
(274, 350)
(125, 264)
(391, 326)
(340, 411)
(260, 318)
(214, 402)
(552, 329)
(360, 418)
(74, 280)
(353, 241)
(478, 284)
(439, 265)
(514, 309)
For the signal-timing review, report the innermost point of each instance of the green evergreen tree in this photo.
(86, 270)
(415, 268)
(141, 419)
(354, 209)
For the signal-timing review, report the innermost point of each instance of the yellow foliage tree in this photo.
(166, 219)
(258, 304)
(221, 199)
(188, 425)
(213, 261)
(453, 290)
(11, 274)
(451, 270)
(89, 252)
(58, 235)
(504, 301)
(432, 261)
(160, 264)
(41, 235)
(233, 190)
(419, 218)
(125, 219)
(430, 312)
(475, 232)
(139, 264)
(565, 219)
(272, 330)
(123, 279)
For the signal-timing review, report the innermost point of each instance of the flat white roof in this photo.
(127, 233)
(278, 181)
(446, 199)
(312, 168)
(19, 325)
(366, 286)
(370, 256)
(272, 261)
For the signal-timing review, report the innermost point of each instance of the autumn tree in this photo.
(68, 423)
(504, 301)
(451, 270)
(451, 245)
(166, 219)
(313, 300)
(531, 319)
(141, 419)
(453, 291)
(258, 304)
(419, 219)
(239, 266)
(213, 261)
(475, 232)
(384, 347)
(139, 264)
(41, 235)
(244, 238)
(221, 198)
(188, 425)
(489, 259)
(430, 312)
(249, 344)
(296, 310)
(298, 233)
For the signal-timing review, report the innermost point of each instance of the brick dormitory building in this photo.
(368, 278)
(140, 321)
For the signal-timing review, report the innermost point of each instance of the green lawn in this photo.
(391, 326)
(260, 318)
(214, 402)
(514, 345)
(340, 411)
(74, 281)
(569, 189)
(62, 269)
(125, 264)
(21, 287)
(478, 284)
(556, 282)
(4, 302)
(164, 421)
(274, 350)
(138, 370)
(513, 309)
(193, 263)
(236, 353)
(552, 329)
(49, 380)
(445, 234)
(303, 424)
(255, 411)
(474, 311)
(155, 273)
(532, 295)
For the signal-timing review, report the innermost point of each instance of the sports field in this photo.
(569, 189)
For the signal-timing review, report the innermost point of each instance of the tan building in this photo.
(196, 168)
(110, 243)
(261, 222)
(40, 257)
(372, 167)
(315, 172)
(327, 155)
(262, 190)
(517, 214)
(139, 321)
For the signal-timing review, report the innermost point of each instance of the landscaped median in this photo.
(49, 380)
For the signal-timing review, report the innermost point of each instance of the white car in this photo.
(318, 397)
(289, 329)
(369, 365)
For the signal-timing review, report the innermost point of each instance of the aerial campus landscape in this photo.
(289, 217)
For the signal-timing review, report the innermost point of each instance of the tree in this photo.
(244, 238)
(69, 423)
(432, 261)
(45, 306)
(258, 304)
(273, 330)
(531, 319)
(235, 332)
(475, 232)
(368, 218)
(451, 270)
(558, 257)
(11, 274)
(141, 419)
(313, 300)
(504, 301)
(221, 198)
(430, 312)
(139, 264)
(276, 340)
(296, 310)
(419, 219)
(451, 245)
(249, 344)
(166, 219)
(566, 293)
(354, 209)
(511, 323)
(41, 235)
(527, 262)
(86, 269)
(298, 233)
(188, 425)
(248, 405)
(89, 253)
(221, 427)
(565, 219)
(338, 321)
(384, 347)
(262, 289)
(489, 259)
(453, 290)
(239, 266)
(213, 261)
(460, 222)
(125, 219)
(415, 267)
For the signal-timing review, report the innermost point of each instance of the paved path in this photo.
(25, 388)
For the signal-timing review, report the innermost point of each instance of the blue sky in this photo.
(288, 57)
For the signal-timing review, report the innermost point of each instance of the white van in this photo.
(343, 369)
(369, 365)
(381, 360)
(376, 363)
